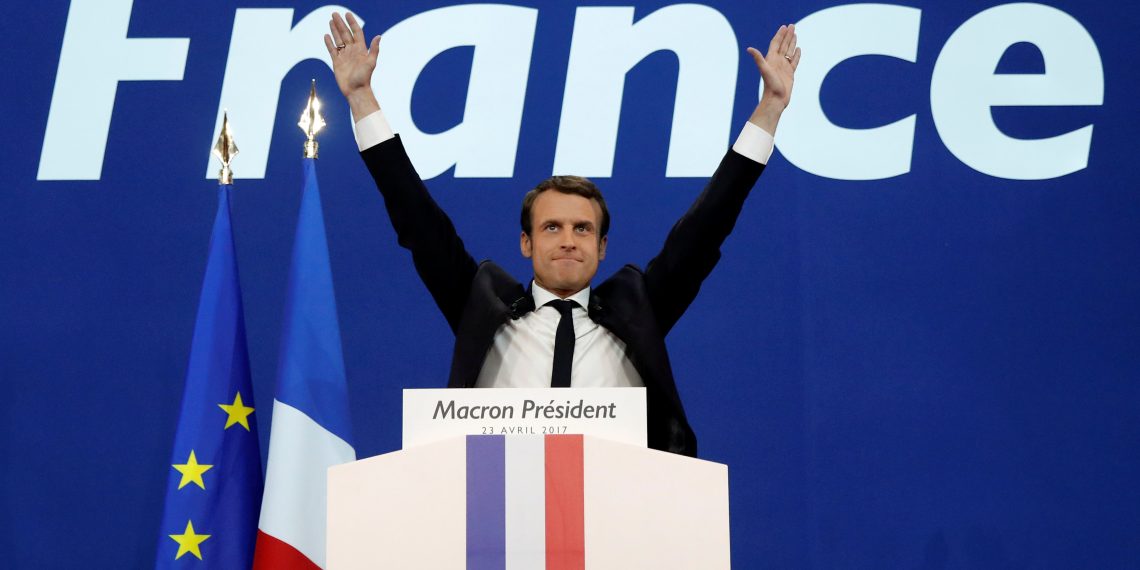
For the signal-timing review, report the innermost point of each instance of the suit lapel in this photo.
(495, 297)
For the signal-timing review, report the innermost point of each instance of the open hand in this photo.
(778, 68)
(353, 61)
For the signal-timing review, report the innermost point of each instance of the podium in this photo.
(559, 501)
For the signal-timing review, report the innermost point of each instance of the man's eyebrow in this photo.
(559, 221)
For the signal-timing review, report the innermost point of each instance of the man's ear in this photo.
(602, 248)
(525, 246)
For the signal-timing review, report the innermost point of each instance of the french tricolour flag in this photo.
(526, 492)
(310, 431)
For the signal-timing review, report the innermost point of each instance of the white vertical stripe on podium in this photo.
(526, 499)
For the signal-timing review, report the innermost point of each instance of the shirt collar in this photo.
(542, 296)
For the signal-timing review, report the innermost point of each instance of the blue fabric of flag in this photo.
(223, 500)
(310, 375)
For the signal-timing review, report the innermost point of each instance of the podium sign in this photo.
(615, 414)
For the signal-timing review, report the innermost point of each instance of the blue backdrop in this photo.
(929, 368)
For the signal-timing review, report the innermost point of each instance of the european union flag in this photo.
(214, 492)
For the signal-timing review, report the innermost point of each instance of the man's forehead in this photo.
(553, 205)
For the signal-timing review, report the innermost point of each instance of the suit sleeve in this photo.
(423, 228)
(692, 248)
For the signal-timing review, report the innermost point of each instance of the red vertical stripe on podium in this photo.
(565, 510)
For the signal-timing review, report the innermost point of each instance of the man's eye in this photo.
(551, 227)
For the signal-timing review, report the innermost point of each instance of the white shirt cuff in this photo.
(372, 130)
(754, 143)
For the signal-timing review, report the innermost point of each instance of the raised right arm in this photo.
(421, 225)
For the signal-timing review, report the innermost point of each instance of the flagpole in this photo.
(225, 150)
(311, 122)
(310, 429)
(214, 485)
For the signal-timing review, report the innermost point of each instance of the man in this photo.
(562, 332)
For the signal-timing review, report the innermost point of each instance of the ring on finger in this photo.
(340, 47)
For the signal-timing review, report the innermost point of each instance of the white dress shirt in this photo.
(522, 352)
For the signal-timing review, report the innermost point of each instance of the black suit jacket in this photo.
(639, 307)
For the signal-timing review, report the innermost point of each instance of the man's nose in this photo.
(566, 241)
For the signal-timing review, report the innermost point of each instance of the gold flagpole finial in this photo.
(225, 150)
(311, 122)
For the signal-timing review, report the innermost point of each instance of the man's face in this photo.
(564, 246)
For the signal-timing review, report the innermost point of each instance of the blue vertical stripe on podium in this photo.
(486, 502)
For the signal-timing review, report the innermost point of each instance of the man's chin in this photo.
(566, 284)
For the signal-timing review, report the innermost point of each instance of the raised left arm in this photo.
(692, 248)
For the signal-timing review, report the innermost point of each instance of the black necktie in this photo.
(563, 344)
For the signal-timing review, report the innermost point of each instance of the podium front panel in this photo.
(400, 510)
(559, 502)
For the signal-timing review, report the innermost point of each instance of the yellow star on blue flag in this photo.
(191, 471)
(188, 541)
(237, 413)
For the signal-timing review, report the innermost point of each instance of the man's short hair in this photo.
(576, 185)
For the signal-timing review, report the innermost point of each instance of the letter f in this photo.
(96, 56)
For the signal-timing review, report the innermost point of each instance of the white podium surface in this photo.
(403, 509)
(637, 508)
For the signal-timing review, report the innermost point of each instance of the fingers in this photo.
(343, 34)
(354, 28)
(340, 32)
(755, 53)
(334, 32)
(777, 41)
(789, 40)
(796, 59)
(374, 48)
(791, 44)
(761, 63)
